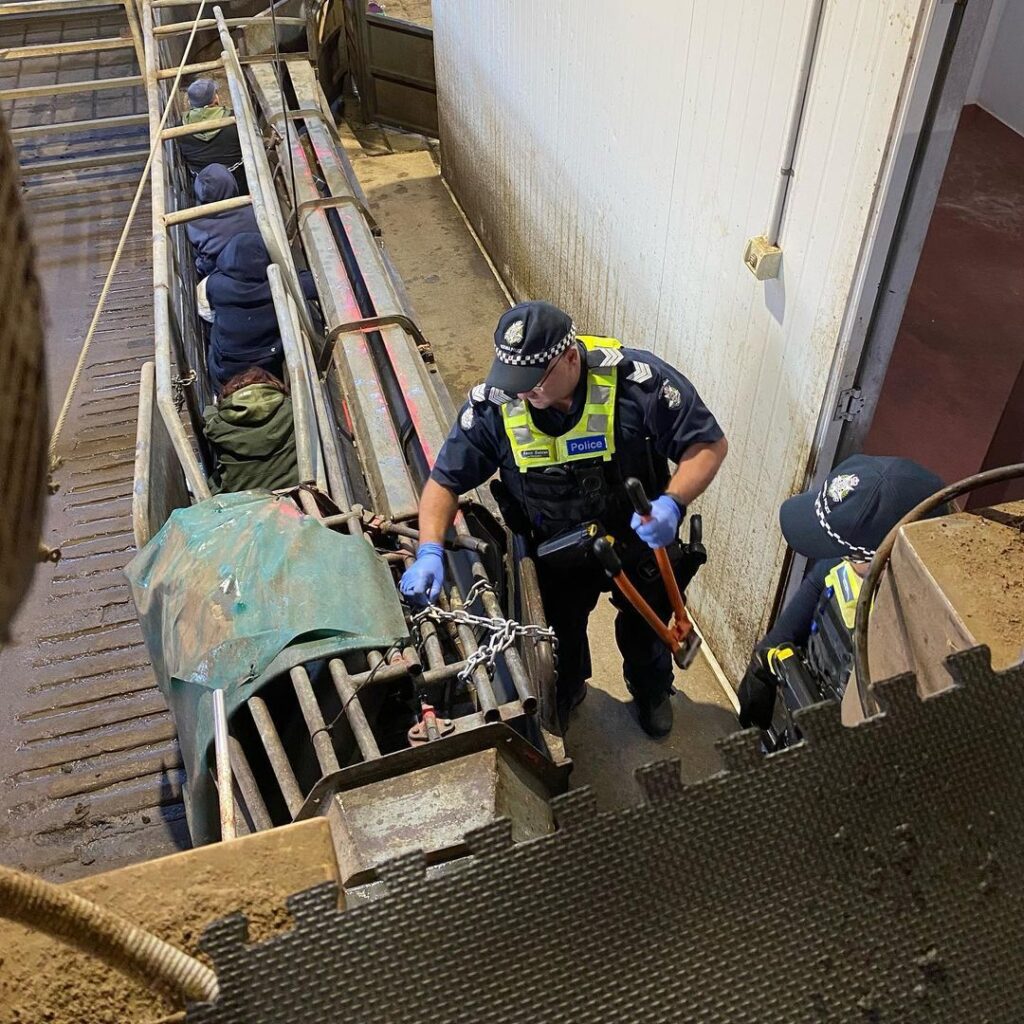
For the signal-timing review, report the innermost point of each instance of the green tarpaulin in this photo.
(238, 589)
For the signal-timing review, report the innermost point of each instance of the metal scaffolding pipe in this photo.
(135, 27)
(257, 170)
(195, 69)
(301, 412)
(161, 280)
(181, 27)
(348, 692)
(276, 754)
(248, 787)
(195, 212)
(481, 680)
(513, 662)
(179, 130)
(315, 723)
(225, 785)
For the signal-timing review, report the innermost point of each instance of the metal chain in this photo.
(178, 384)
(503, 633)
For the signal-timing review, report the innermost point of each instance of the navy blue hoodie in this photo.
(209, 235)
(245, 331)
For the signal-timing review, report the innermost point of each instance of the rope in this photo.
(99, 932)
(98, 312)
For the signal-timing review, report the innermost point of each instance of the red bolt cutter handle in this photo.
(642, 504)
(683, 648)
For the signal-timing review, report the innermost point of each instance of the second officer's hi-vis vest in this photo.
(830, 643)
(823, 670)
(593, 436)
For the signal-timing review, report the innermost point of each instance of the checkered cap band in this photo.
(823, 510)
(514, 358)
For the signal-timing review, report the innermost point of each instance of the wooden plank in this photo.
(63, 88)
(32, 130)
(77, 163)
(195, 212)
(32, 7)
(177, 131)
(60, 49)
(190, 69)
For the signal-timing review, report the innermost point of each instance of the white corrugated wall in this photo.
(614, 157)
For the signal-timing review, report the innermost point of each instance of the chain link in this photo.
(178, 385)
(502, 633)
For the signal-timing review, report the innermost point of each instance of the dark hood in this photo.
(253, 422)
(253, 437)
(214, 183)
(245, 258)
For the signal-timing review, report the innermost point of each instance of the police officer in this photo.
(564, 419)
(840, 524)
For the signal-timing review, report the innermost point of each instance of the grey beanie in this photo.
(201, 92)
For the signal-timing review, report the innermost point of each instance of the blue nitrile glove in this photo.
(422, 581)
(663, 525)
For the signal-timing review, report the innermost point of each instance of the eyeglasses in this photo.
(547, 373)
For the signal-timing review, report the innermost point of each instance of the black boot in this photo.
(654, 709)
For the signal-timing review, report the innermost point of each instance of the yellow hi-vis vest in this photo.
(592, 437)
(845, 584)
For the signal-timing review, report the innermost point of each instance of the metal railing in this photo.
(366, 431)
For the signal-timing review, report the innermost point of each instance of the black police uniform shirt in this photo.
(653, 400)
(793, 625)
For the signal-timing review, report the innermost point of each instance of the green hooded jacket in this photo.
(253, 438)
(210, 114)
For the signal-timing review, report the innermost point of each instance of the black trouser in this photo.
(570, 595)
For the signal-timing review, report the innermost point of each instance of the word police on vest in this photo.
(581, 445)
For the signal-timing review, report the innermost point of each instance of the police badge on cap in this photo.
(528, 337)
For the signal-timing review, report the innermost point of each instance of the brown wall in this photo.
(953, 397)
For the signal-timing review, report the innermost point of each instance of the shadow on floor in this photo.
(607, 744)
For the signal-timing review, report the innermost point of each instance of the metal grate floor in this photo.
(90, 774)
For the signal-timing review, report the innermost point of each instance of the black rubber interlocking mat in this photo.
(868, 875)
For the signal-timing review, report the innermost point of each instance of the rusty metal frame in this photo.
(291, 758)
(492, 735)
(332, 202)
(365, 326)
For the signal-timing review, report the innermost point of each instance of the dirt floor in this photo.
(457, 301)
(175, 898)
(978, 563)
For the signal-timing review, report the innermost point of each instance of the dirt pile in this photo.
(45, 981)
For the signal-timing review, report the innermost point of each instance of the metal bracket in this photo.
(273, 58)
(366, 326)
(330, 202)
(849, 404)
(296, 115)
(493, 735)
